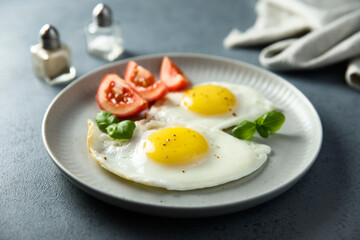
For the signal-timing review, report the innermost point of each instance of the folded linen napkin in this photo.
(305, 34)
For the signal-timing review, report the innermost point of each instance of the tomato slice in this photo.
(116, 96)
(172, 76)
(143, 81)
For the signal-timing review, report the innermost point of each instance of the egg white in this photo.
(227, 159)
(250, 105)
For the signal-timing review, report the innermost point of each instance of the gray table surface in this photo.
(38, 202)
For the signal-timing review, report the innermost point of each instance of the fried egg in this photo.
(211, 105)
(176, 156)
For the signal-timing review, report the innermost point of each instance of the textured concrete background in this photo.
(38, 202)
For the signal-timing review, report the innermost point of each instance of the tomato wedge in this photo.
(116, 96)
(172, 76)
(143, 81)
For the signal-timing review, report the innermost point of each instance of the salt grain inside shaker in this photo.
(103, 35)
(51, 58)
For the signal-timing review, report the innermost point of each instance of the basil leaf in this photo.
(259, 121)
(273, 121)
(245, 130)
(268, 123)
(262, 130)
(103, 119)
(121, 130)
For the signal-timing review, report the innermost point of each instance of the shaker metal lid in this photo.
(49, 37)
(102, 15)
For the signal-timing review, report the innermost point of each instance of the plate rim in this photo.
(183, 211)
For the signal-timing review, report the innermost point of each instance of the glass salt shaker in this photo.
(51, 58)
(103, 35)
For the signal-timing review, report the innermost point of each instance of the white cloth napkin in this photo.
(305, 34)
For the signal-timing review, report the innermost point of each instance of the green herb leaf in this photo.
(245, 130)
(121, 130)
(103, 119)
(259, 121)
(273, 121)
(262, 130)
(268, 123)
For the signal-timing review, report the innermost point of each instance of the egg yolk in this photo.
(176, 146)
(208, 100)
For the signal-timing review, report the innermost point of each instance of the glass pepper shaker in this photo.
(103, 35)
(51, 58)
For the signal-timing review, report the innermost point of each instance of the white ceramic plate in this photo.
(294, 147)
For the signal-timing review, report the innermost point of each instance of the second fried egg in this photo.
(176, 156)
